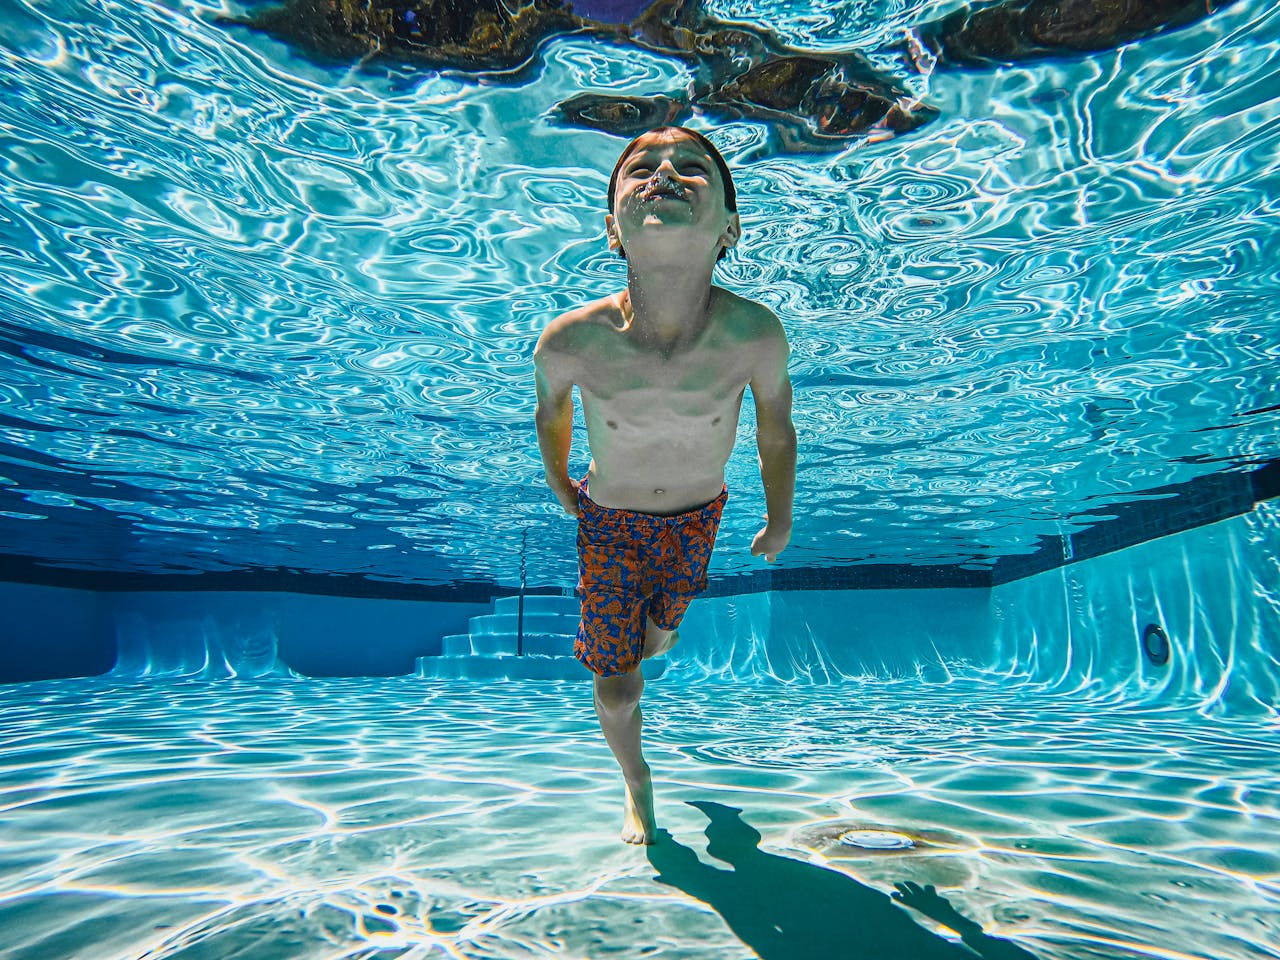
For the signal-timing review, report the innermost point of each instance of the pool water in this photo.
(267, 321)
(396, 818)
(267, 313)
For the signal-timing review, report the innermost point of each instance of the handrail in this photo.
(524, 542)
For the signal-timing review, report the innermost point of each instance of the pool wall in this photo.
(260, 634)
(820, 636)
(53, 632)
(57, 632)
(1214, 590)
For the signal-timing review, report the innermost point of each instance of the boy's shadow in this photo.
(787, 909)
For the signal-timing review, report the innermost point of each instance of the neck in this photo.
(669, 305)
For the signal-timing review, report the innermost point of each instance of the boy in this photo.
(661, 368)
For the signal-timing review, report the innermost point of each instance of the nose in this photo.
(665, 168)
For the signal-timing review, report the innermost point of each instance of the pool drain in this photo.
(876, 840)
(1155, 644)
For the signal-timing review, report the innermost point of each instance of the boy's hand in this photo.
(771, 540)
(567, 495)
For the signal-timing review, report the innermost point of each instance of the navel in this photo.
(611, 425)
(659, 491)
(715, 421)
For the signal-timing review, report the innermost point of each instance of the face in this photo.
(669, 191)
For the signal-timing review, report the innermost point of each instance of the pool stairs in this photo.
(488, 651)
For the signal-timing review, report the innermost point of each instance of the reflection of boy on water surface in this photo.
(811, 100)
(662, 368)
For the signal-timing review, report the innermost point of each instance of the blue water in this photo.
(263, 313)
(281, 819)
(1073, 799)
(259, 312)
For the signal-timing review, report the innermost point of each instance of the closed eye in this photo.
(644, 170)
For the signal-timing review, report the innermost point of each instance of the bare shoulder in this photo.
(748, 321)
(570, 332)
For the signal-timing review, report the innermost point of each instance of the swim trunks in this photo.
(633, 566)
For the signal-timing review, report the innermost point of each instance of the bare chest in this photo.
(635, 384)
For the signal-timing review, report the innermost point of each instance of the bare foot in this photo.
(638, 826)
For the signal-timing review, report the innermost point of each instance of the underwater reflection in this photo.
(787, 909)
(810, 100)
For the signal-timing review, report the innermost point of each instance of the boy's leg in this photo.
(683, 556)
(617, 701)
(658, 641)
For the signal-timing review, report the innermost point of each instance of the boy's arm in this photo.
(775, 440)
(554, 419)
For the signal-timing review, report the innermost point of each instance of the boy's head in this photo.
(697, 145)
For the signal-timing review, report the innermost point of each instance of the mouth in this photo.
(663, 192)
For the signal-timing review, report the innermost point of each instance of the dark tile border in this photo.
(1266, 482)
(1152, 514)
(14, 569)
(1156, 513)
(879, 576)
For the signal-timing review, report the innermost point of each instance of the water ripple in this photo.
(349, 818)
(242, 273)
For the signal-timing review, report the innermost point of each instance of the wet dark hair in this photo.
(730, 194)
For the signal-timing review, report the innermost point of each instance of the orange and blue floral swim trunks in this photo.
(633, 566)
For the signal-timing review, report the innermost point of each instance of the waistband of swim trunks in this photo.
(635, 520)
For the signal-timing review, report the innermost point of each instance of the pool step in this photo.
(507, 644)
(487, 651)
(539, 603)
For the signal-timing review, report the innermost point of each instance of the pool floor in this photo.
(302, 818)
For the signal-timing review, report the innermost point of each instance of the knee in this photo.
(619, 694)
(653, 631)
